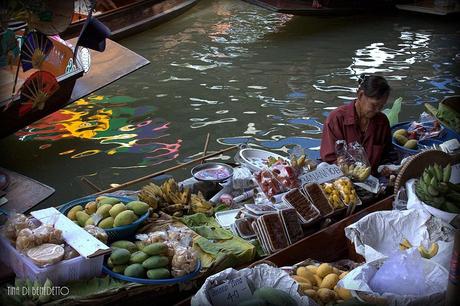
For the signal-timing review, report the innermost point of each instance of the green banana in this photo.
(447, 171)
(438, 201)
(430, 170)
(432, 191)
(426, 177)
(442, 187)
(423, 186)
(434, 182)
(439, 172)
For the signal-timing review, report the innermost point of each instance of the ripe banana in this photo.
(405, 245)
(431, 252)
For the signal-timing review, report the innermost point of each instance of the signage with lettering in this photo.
(321, 175)
(231, 292)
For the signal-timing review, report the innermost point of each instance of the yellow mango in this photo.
(72, 214)
(343, 275)
(343, 293)
(307, 274)
(305, 286)
(326, 295)
(329, 281)
(324, 269)
(90, 207)
(312, 268)
(318, 280)
(311, 293)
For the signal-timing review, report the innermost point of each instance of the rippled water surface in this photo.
(240, 73)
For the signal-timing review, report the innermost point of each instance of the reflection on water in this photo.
(242, 74)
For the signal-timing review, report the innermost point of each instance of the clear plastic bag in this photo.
(15, 223)
(352, 160)
(184, 261)
(427, 127)
(97, 232)
(242, 178)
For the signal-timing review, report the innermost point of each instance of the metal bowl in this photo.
(212, 172)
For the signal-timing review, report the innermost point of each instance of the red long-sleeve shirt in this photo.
(343, 123)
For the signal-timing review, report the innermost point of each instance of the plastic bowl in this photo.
(146, 281)
(116, 233)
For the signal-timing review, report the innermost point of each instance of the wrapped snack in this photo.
(333, 195)
(181, 234)
(268, 183)
(97, 232)
(184, 261)
(46, 233)
(26, 240)
(346, 190)
(70, 252)
(352, 160)
(15, 224)
(46, 254)
(158, 236)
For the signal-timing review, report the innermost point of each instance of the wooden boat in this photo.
(432, 7)
(320, 7)
(129, 16)
(72, 85)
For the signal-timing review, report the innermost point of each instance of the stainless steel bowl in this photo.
(212, 172)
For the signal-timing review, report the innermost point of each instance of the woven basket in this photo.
(414, 167)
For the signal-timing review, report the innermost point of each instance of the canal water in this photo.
(243, 75)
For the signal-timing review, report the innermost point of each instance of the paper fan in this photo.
(50, 16)
(38, 88)
(9, 49)
(35, 49)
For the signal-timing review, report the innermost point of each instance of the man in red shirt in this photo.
(361, 121)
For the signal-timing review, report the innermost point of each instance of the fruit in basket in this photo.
(306, 274)
(116, 209)
(135, 270)
(138, 257)
(157, 248)
(400, 139)
(119, 268)
(103, 211)
(81, 218)
(343, 293)
(138, 207)
(274, 296)
(434, 188)
(155, 261)
(102, 200)
(199, 204)
(90, 221)
(323, 270)
(106, 223)
(329, 281)
(125, 244)
(411, 144)
(124, 218)
(158, 273)
(90, 207)
(72, 214)
(400, 132)
(120, 257)
(327, 295)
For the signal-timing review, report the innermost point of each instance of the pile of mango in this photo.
(320, 283)
(434, 188)
(333, 195)
(403, 138)
(140, 261)
(107, 212)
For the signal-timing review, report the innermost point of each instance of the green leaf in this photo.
(393, 113)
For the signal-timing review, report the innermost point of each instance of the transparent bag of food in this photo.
(347, 191)
(352, 160)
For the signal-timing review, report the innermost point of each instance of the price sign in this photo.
(321, 175)
(455, 174)
(230, 293)
(371, 184)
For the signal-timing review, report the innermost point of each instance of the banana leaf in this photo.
(393, 112)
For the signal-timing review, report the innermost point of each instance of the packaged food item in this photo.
(333, 195)
(291, 224)
(46, 233)
(352, 160)
(269, 185)
(244, 228)
(302, 205)
(46, 254)
(70, 252)
(26, 240)
(97, 232)
(318, 199)
(272, 225)
(347, 191)
(242, 178)
(184, 261)
(15, 224)
(259, 209)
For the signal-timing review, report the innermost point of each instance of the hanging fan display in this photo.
(50, 16)
(35, 49)
(38, 88)
(84, 59)
(59, 59)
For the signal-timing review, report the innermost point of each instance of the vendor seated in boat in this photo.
(361, 121)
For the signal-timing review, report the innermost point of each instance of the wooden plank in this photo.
(107, 67)
(23, 193)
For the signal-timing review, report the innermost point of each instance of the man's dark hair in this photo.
(374, 86)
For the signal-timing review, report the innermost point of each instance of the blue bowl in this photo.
(116, 233)
(146, 281)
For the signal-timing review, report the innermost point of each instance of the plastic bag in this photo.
(184, 261)
(427, 127)
(352, 160)
(97, 232)
(15, 224)
(242, 178)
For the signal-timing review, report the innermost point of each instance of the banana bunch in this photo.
(332, 195)
(431, 252)
(357, 172)
(198, 204)
(168, 197)
(434, 188)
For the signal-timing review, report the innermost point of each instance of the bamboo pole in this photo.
(205, 147)
(138, 180)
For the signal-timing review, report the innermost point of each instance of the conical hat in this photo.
(50, 17)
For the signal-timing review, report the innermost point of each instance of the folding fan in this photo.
(38, 88)
(35, 49)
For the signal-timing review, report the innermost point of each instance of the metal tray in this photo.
(212, 172)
